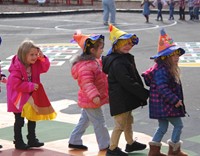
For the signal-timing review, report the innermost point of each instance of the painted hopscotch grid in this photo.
(191, 58)
(57, 54)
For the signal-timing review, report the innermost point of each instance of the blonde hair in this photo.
(173, 68)
(24, 49)
(121, 42)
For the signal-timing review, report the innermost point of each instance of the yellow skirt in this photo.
(38, 113)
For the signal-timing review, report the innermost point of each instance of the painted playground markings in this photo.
(191, 58)
(58, 54)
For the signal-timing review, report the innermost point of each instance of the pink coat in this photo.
(18, 86)
(92, 82)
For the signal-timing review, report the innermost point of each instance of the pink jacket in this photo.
(18, 87)
(92, 82)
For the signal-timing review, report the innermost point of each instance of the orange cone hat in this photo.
(81, 39)
(166, 45)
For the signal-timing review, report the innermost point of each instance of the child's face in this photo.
(175, 58)
(97, 53)
(32, 56)
(126, 47)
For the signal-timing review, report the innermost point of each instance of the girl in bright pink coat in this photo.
(93, 92)
(24, 78)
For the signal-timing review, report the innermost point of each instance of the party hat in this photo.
(166, 45)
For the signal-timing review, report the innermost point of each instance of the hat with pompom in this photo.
(116, 34)
(82, 39)
(166, 46)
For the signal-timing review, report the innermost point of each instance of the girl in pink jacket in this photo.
(93, 92)
(24, 78)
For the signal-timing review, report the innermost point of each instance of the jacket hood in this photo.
(148, 74)
(108, 60)
(16, 65)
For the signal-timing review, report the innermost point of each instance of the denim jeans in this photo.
(163, 126)
(94, 116)
(109, 8)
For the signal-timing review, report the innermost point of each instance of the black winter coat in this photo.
(126, 90)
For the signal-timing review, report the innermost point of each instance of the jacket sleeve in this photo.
(43, 64)
(162, 82)
(123, 77)
(16, 81)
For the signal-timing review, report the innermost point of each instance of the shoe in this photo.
(105, 23)
(21, 145)
(1, 146)
(103, 149)
(35, 143)
(116, 152)
(135, 146)
(82, 147)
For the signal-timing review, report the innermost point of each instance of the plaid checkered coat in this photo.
(164, 93)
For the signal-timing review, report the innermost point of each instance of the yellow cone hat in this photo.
(115, 33)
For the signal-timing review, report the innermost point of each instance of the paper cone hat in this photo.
(166, 46)
(116, 34)
(81, 39)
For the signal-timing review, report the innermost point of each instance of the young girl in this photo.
(146, 9)
(93, 93)
(166, 96)
(171, 4)
(126, 90)
(24, 78)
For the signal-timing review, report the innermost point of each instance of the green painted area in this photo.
(45, 131)
(194, 139)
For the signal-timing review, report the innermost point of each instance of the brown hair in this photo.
(24, 49)
(93, 44)
(173, 68)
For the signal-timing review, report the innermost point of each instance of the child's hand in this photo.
(179, 103)
(96, 100)
(40, 53)
(36, 86)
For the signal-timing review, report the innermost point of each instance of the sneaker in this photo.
(105, 23)
(82, 147)
(116, 152)
(135, 146)
(35, 143)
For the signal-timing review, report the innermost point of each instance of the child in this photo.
(126, 91)
(160, 4)
(171, 4)
(196, 9)
(166, 96)
(182, 9)
(146, 9)
(2, 78)
(93, 93)
(191, 9)
(24, 78)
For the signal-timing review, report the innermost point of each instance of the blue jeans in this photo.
(95, 116)
(109, 8)
(163, 126)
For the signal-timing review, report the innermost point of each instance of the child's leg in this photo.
(32, 140)
(97, 119)
(19, 123)
(178, 126)
(161, 130)
(117, 131)
(79, 130)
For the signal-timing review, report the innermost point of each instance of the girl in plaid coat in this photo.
(166, 103)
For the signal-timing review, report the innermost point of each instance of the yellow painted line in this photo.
(189, 64)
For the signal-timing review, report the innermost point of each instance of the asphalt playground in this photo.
(53, 34)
